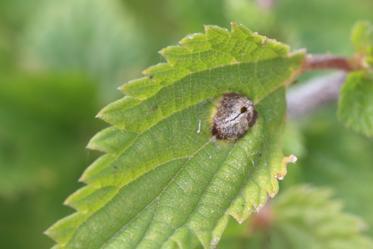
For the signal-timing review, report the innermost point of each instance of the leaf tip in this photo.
(67, 202)
(162, 52)
(285, 162)
(82, 178)
(120, 88)
(100, 114)
(291, 159)
(91, 145)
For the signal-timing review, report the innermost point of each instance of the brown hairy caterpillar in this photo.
(234, 116)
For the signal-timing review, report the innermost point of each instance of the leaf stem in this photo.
(325, 61)
(304, 98)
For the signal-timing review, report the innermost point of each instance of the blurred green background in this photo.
(61, 61)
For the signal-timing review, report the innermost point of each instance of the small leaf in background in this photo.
(362, 39)
(306, 217)
(164, 180)
(355, 107)
(300, 217)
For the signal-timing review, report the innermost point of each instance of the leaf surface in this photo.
(362, 39)
(164, 181)
(356, 102)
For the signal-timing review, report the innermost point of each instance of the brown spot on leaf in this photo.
(234, 116)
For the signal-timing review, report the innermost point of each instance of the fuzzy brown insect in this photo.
(234, 116)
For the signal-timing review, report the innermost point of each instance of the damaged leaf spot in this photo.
(234, 116)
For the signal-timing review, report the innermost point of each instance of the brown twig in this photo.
(321, 62)
(308, 96)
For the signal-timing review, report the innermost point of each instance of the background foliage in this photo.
(61, 61)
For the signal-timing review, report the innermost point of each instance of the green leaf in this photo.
(362, 38)
(164, 181)
(306, 217)
(301, 217)
(356, 102)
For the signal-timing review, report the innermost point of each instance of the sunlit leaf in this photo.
(362, 38)
(165, 181)
(356, 102)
